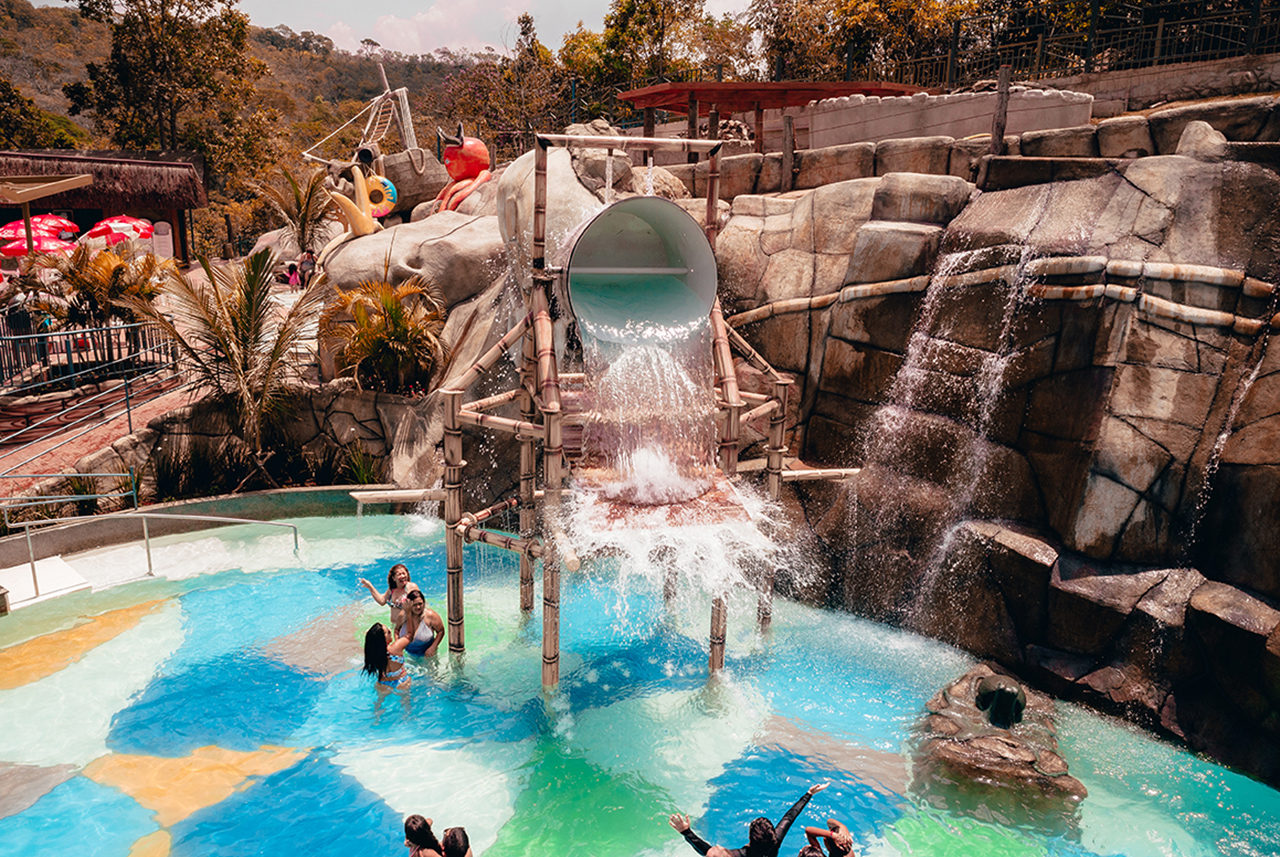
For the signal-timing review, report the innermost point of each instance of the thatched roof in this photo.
(121, 180)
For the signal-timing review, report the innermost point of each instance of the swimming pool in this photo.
(219, 710)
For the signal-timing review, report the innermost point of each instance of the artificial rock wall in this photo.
(1062, 397)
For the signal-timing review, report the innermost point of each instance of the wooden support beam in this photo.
(453, 466)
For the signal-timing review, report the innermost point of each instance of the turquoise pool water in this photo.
(244, 647)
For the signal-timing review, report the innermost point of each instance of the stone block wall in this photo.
(859, 118)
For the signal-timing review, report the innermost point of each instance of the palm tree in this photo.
(388, 336)
(303, 208)
(236, 342)
(91, 288)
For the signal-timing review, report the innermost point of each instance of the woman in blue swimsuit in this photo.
(423, 626)
(384, 656)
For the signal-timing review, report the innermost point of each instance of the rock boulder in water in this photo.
(1015, 775)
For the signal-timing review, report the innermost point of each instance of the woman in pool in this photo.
(423, 626)
(419, 839)
(456, 843)
(398, 586)
(384, 656)
(839, 839)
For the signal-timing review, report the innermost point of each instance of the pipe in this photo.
(408, 495)
(712, 227)
(753, 357)
(526, 547)
(470, 519)
(494, 401)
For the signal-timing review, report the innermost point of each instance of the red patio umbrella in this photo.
(58, 224)
(129, 227)
(16, 229)
(40, 244)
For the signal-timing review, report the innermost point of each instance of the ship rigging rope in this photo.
(343, 125)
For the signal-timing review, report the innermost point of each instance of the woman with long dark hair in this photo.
(384, 656)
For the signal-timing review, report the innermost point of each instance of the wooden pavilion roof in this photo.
(741, 96)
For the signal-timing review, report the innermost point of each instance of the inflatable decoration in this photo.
(382, 196)
(358, 213)
(466, 159)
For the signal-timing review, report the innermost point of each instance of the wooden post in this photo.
(1255, 18)
(528, 466)
(692, 127)
(1001, 115)
(650, 129)
(723, 359)
(26, 220)
(1091, 46)
(540, 147)
(788, 152)
(713, 123)
(953, 52)
(719, 627)
(759, 129)
(712, 226)
(453, 464)
(777, 438)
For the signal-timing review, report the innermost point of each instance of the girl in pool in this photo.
(419, 839)
(398, 586)
(839, 839)
(423, 626)
(384, 656)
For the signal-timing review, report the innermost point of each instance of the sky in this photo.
(417, 27)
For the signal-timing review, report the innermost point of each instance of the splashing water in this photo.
(648, 176)
(651, 428)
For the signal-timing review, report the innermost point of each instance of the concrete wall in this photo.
(858, 118)
(1115, 92)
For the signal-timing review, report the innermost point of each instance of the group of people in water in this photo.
(415, 629)
(422, 842)
(764, 838)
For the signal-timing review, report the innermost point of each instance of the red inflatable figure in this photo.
(466, 159)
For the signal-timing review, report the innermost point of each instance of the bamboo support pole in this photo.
(777, 438)
(719, 627)
(494, 401)
(408, 495)
(539, 206)
(729, 383)
(453, 465)
(769, 408)
(752, 356)
(519, 428)
(712, 227)
(830, 473)
(470, 519)
(552, 464)
(524, 547)
(528, 466)
(489, 358)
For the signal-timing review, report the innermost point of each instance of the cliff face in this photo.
(1062, 397)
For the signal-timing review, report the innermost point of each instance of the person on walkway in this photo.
(398, 586)
(419, 839)
(307, 267)
(295, 279)
(384, 656)
(763, 839)
(423, 626)
(839, 839)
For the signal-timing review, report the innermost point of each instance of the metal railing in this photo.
(1070, 38)
(146, 533)
(31, 363)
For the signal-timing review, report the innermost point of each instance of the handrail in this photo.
(146, 534)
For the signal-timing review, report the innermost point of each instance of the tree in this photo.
(25, 126)
(641, 37)
(391, 341)
(235, 343)
(180, 75)
(303, 208)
